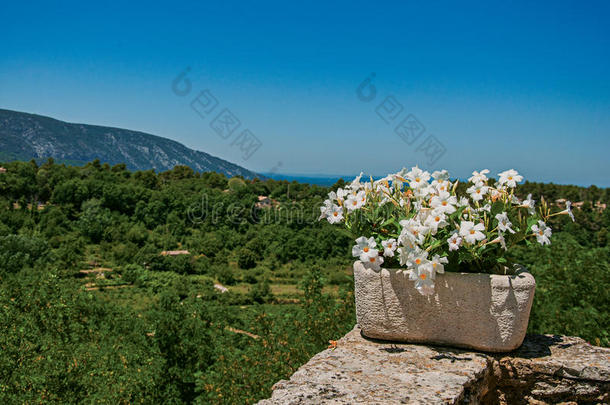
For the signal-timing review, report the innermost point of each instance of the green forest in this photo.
(185, 287)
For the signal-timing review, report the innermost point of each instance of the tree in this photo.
(94, 220)
(72, 191)
(20, 251)
(179, 172)
(63, 345)
(246, 259)
(184, 341)
(235, 183)
(261, 292)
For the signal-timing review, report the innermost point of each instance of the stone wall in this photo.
(545, 369)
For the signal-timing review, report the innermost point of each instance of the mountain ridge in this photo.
(24, 136)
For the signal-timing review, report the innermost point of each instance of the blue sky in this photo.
(523, 85)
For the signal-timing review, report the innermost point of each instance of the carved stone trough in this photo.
(485, 312)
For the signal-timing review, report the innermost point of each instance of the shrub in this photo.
(94, 220)
(20, 251)
(246, 259)
(224, 274)
(235, 183)
(250, 277)
(181, 264)
(132, 272)
(261, 292)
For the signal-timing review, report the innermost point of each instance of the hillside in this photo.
(112, 287)
(25, 136)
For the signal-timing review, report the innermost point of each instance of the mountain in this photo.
(25, 136)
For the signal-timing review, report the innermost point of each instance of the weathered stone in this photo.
(546, 369)
(554, 369)
(478, 311)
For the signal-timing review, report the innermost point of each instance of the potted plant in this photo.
(447, 278)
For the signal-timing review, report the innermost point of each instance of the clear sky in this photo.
(523, 85)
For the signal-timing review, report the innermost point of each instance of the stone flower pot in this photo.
(479, 311)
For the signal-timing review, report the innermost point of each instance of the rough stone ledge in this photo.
(545, 369)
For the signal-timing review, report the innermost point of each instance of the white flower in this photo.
(414, 230)
(468, 212)
(444, 202)
(478, 177)
(363, 246)
(440, 175)
(543, 233)
(471, 232)
(454, 241)
(404, 254)
(384, 180)
(355, 200)
(367, 254)
(356, 185)
(486, 207)
(373, 262)
(529, 204)
(418, 178)
(568, 210)
(463, 202)
(341, 194)
(435, 220)
(424, 280)
(437, 263)
(504, 223)
(389, 246)
(510, 178)
(500, 239)
(440, 185)
(417, 259)
(381, 186)
(362, 196)
(423, 192)
(407, 241)
(398, 178)
(494, 193)
(417, 205)
(335, 215)
(477, 191)
(325, 209)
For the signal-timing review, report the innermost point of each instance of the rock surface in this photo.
(545, 369)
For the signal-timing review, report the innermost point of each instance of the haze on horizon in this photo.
(524, 86)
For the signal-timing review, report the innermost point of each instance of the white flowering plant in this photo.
(416, 221)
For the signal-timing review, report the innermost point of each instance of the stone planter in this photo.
(485, 312)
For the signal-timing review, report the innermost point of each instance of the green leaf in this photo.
(458, 213)
(497, 208)
(389, 221)
(435, 245)
(531, 221)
